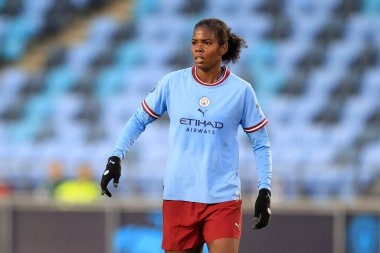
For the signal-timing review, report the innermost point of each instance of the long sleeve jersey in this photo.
(202, 164)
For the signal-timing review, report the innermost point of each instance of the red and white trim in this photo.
(149, 111)
(256, 127)
(221, 80)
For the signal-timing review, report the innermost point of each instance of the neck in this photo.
(210, 75)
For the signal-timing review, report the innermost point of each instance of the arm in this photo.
(131, 131)
(253, 122)
(263, 154)
(151, 109)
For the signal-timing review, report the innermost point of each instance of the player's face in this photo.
(206, 51)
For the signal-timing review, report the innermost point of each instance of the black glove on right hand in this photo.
(112, 171)
(262, 209)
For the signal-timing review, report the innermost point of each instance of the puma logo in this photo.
(203, 112)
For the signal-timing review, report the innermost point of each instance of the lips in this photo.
(199, 59)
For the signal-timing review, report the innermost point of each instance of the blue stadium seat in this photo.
(80, 4)
(59, 80)
(358, 109)
(2, 4)
(371, 7)
(102, 29)
(18, 33)
(130, 55)
(12, 80)
(3, 27)
(81, 55)
(370, 83)
(369, 166)
(144, 8)
(342, 53)
(110, 81)
(39, 107)
(24, 131)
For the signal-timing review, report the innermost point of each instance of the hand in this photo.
(262, 209)
(113, 170)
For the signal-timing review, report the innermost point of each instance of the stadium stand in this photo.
(315, 66)
(28, 21)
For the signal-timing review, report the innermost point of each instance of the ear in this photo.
(223, 49)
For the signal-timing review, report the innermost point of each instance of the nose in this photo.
(198, 47)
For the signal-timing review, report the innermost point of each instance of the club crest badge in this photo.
(204, 101)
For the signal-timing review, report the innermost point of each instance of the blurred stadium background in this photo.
(73, 71)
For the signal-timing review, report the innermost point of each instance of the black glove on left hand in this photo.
(262, 209)
(112, 171)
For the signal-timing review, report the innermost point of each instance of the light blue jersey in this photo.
(202, 165)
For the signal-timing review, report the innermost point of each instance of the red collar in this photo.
(221, 80)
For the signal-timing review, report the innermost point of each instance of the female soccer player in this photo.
(206, 104)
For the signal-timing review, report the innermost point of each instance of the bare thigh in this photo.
(224, 245)
(198, 249)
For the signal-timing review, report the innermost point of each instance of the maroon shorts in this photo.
(189, 224)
